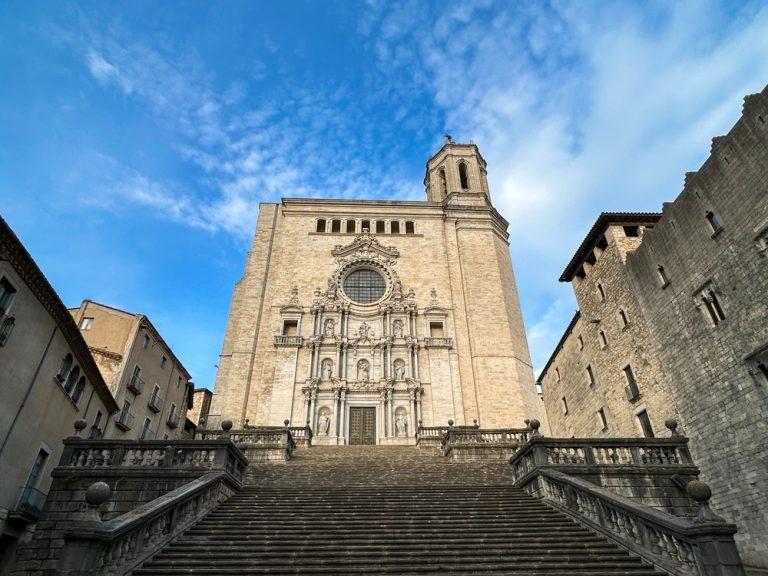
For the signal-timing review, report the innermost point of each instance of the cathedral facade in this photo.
(365, 319)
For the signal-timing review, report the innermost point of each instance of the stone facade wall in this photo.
(721, 391)
(456, 262)
(630, 345)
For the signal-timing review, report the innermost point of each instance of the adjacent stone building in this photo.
(48, 380)
(148, 381)
(693, 282)
(365, 318)
(201, 406)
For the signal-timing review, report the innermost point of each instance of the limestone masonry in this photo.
(365, 317)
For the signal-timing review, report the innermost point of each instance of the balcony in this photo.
(282, 340)
(438, 342)
(125, 421)
(31, 503)
(173, 420)
(136, 384)
(155, 403)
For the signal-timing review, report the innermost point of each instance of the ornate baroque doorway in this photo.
(362, 425)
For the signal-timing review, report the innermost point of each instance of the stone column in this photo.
(339, 354)
(411, 360)
(416, 360)
(412, 424)
(310, 353)
(343, 369)
(343, 415)
(380, 416)
(312, 406)
(317, 360)
(390, 414)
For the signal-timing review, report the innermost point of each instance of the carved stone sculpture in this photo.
(323, 425)
(399, 370)
(330, 327)
(397, 328)
(401, 426)
(363, 371)
(327, 370)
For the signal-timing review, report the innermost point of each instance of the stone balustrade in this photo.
(438, 342)
(115, 547)
(302, 436)
(474, 443)
(703, 546)
(295, 341)
(179, 455)
(259, 443)
(430, 437)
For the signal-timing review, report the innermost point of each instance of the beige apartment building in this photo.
(672, 323)
(48, 381)
(149, 383)
(366, 318)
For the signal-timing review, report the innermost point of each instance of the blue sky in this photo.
(138, 138)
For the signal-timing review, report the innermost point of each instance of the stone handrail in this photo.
(281, 340)
(702, 547)
(302, 435)
(276, 439)
(213, 454)
(438, 342)
(565, 453)
(463, 436)
(117, 546)
(431, 431)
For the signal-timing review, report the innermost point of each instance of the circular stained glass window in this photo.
(364, 286)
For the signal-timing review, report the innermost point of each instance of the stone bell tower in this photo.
(456, 169)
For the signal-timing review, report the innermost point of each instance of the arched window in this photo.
(336, 226)
(365, 226)
(64, 368)
(69, 385)
(463, 179)
(78, 391)
(320, 226)
(443, 183)
(350, 227)
(380, 227)
(394, 227)
(409, 229)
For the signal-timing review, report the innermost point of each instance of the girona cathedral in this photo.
(364, 319)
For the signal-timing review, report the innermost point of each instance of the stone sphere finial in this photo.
(534, 424)
(419, 423)
(527, 422)
(672, 426)
(226, 425)
(700, 492)
(97, 493)
(80, 425)
(450, 423)
(474, 421)
(286, 422)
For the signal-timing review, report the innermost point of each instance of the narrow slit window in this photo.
(557, 373)
(320, 226)
(394, 227)
(565, 405)
(603, 419)
(662, 275)
(603, 339)
(601, 292)
(581, 343)
(645, 424)
(713, 222)
(716, 305)
(590, 375)
(763, 369)
(443, 184)
(624, 318)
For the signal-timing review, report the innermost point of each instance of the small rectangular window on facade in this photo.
(380, 227)
(163, 362)
(763, 370)
(409, 228)
(436, 329)
(86, 323)
(320, 226)
(557, 373)
(602, 419)
(565, 405)
(713, 222)
(365, 226)
(336, 226)
(145, 342)
(645, 424)
(624, 318)
(7, 292)
(603, 339)
(632, 389)
(349, 227)
(394, 227)
(711, 304)
(290, 327)
(145, 432)
(590, 375)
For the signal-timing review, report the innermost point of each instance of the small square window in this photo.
(86, 323)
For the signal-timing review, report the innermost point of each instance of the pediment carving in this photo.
(363, 246)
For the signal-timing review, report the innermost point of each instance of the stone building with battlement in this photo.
(672, 324)
(364, 318)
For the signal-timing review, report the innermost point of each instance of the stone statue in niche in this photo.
(323, 425)
(327, 369)
(363, 331)
(399, 370)
(397, 290)
(363, 371)
(401, 426)
(330, 327)
(332, 288)
(397, 328)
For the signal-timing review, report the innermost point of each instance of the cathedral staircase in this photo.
(387, 510)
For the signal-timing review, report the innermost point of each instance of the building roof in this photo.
(146, 323)
(598, 229)
(559, 346)
(14, 252)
